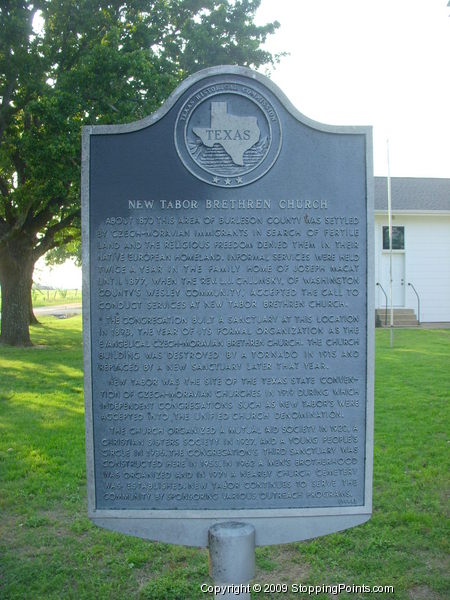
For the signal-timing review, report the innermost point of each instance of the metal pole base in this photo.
(232, 558)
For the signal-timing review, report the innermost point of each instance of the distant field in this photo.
(52, 297)
(49, 550)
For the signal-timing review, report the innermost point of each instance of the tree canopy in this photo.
(65, 64)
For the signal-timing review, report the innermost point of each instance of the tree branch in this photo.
(6, 193)
(4, 187)
(48, 241)
(5, 107)
(3, 230)
(10, 229)
(37, 222)
(20, 165)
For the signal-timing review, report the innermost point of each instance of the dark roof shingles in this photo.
(413, 193)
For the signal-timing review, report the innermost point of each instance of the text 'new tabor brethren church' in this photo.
(421, 249)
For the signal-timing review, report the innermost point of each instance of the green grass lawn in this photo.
(50, 550)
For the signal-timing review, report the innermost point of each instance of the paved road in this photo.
(61, 310)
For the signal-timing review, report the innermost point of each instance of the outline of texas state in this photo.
(235, 134)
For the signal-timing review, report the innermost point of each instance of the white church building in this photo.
(421, 246)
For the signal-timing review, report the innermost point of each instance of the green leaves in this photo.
(85, 62)
(68, 64)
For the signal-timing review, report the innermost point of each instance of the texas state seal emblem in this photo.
(228, 134)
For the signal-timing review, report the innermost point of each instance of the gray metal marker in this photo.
(228, 302)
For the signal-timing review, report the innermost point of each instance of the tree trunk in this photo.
(31, 315)
(16, 271)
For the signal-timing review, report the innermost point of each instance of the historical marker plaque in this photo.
(228, 316)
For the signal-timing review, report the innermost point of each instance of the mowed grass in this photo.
(49, 549)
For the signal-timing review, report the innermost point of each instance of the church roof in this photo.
(413, 194)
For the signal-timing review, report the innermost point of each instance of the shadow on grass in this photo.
(50, 549)
(53, 362)
(41, 419)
